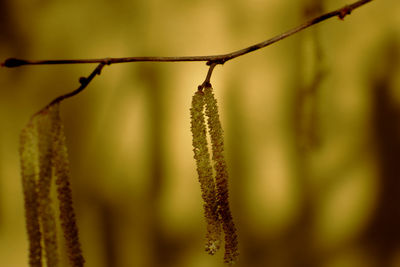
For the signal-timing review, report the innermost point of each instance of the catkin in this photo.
(45, 124)
(205, 173)
(29, 173)
(43, 153)
(221, 178)
(60, 163)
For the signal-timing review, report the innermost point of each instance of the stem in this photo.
(218, 59)
(206, 82)
(84, 83)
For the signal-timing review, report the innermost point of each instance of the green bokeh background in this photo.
(311, 129)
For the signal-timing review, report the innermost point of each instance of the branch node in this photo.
(346, 10)
(206, 84)
(220, 61)
(107, 61)
(82, 80)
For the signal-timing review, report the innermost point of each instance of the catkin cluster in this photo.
(43, 155)
(214, 189)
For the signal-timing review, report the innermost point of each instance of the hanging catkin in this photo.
(205, 173)
(29, 173)
(36, 170)
(60, 163)
(46, 123)
(43, 153)
(221, 177)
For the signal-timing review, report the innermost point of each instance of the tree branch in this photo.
(207, 82)
(217, 59)
(212, 60)
(84, 81)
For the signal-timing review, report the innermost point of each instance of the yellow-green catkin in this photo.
(46, 126)
(221, 178)
(205, 173)
(43, 153)
(29, 173)
(60, 163)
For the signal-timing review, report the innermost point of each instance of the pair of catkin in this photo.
(214, 190)
(43, 155)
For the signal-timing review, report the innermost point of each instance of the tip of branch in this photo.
(13, 62)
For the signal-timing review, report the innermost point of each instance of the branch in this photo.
(206, 82)
(212, 60)
(84, 83)
(217, 59)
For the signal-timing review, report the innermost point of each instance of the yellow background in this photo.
(314, 177)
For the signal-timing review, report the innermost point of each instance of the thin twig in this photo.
(84, 83)
(218, 59)
(206, 82)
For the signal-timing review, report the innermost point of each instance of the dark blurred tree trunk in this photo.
(382, 236)
(152, 77)
(300, 238)
(165, 250)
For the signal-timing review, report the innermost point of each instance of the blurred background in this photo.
(311, 129)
